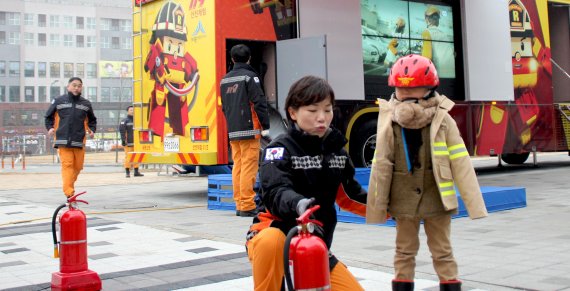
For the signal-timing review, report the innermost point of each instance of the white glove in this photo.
(265, 132)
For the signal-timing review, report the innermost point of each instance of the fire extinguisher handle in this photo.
(74, 198)
(82, 201)
(304, 218)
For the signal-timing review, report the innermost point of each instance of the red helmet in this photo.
(413, 71)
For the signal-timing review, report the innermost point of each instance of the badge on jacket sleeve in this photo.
(272, 154)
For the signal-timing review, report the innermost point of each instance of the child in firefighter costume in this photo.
(306, 166)
(420, 161)
(173, 70)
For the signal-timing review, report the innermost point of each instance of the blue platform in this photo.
(220, 197)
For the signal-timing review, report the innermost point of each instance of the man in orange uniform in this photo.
(69, 119)
(245, 108)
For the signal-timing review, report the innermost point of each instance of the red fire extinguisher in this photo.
(72, 250)
(306, 257)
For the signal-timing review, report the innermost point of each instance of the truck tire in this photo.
(515, 159)
(363, 144)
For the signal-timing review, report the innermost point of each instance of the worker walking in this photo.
(69, 119)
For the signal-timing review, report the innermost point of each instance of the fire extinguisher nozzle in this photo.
(55, 252)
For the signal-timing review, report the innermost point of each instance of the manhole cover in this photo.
(140, 205)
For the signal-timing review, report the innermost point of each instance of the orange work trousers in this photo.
(127, 163)
(245, 154)
(265, 253)
(438, 231)
(71, 164)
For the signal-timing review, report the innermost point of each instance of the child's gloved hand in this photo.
(303, 205)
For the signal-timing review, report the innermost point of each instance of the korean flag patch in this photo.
(272, 154)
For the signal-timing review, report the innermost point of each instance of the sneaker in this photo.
(237, 212)
(250, 213)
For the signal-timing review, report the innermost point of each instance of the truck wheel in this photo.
(363, 145)
(515, 159)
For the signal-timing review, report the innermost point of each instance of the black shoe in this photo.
(137, 173)
(127, 173)
(250, 213)
(237, 212)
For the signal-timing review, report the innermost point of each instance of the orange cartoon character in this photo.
(174, 71)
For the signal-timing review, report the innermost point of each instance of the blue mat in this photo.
(220, 197)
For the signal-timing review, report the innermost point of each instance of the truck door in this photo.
(297, 58)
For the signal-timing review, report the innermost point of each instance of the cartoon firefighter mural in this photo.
(514, 127)
(174, 72)
(525, 66)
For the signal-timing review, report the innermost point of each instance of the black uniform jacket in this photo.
(126, 131)
(71, 116)
(243, 103)
(296, 166)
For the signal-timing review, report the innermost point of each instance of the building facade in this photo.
(43, 43)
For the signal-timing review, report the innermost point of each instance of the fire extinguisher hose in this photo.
(53, 231)
(293, 232)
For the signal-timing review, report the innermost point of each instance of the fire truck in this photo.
(504, 63)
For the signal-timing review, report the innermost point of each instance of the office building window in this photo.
(14, 37)
(80, 70)
(2, 17)
(126, 25)
(116, 94)
(105, 24)
(115, 25)
(67, 21)
(14, 18)
(91, 70)
(41, 39)
(105, 42)
(42, 94)
(68, 70)
(127, 94)
(2, 94)
(79, 41)
(105, 94)
(29, 94)
(92, 94)
(14, 95)
(54, 21)
(79, 22)
(28, 19)
(126, 43)
(29, 38)
(115, 43)
(91, 23)
(54, 70)
(54, 40)
(14, 70)
(29, 69)
(42, 20)
(2, 68)
(91, 41)
(68, 40)
(42, 68)
(53, 92)
(2, 37)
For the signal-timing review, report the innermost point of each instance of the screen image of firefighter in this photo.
(392, 29)
(173, 70)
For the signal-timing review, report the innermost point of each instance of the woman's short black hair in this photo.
(306, 91)
(240, 53)
(130, 106)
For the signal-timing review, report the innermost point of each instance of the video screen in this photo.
(395, 28)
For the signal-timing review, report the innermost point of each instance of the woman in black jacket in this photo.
(307, 166)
